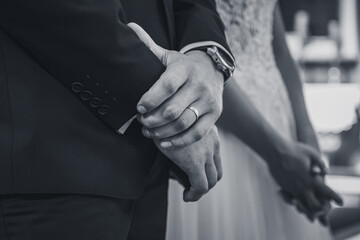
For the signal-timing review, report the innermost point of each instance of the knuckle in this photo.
(171, 113)
(198, 134)
(148, 103)
(202, 188)
(197, 165)
(169, 87)
(148, 123)
(203, 88)
(179, 142)
(155, 134)
(182, 124)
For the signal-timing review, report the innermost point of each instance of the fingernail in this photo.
(141, 109)
(166, 144)
(146, 132)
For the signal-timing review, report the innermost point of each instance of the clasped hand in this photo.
(308, 192)
(187, 137)
(189, 81)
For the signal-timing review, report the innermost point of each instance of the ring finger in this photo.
(189, 116)
(170, 110)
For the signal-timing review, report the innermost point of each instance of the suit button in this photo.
(86, 95)
(77, 87)
(103, 110)
(95, 102)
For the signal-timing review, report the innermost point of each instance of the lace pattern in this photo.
(249, 25)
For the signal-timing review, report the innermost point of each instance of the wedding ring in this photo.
(195, 111)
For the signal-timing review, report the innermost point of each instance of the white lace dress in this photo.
(245, 204)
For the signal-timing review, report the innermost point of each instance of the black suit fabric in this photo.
(71, 73)
(90, 217)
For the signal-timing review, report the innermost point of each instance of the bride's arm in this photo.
(288, 70)
(288, 161)
(241, 118)
(291, 78)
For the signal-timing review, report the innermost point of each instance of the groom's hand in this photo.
(201, 162)
(190, 80)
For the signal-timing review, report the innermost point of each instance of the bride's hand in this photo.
(291, 170)
(321, 215)
(307, 135)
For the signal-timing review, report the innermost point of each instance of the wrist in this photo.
(307, 135)
(275, 149)
(222, 61)
(201, 57)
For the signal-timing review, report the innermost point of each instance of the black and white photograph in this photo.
(180, 120)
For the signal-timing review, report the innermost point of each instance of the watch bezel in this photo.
(221, 63)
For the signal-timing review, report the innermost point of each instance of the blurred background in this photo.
(323, 36)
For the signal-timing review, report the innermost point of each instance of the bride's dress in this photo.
(245, 204)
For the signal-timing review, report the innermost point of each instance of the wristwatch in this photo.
(222, 64)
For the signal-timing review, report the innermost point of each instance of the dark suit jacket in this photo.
(71, 73)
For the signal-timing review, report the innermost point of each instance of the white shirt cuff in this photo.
(124, 127)
(192, 46)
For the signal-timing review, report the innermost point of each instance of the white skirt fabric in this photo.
(244, 205)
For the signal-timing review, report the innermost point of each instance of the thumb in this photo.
(160, 53)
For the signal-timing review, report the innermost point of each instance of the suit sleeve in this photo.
(198, 21)
(86, 46)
